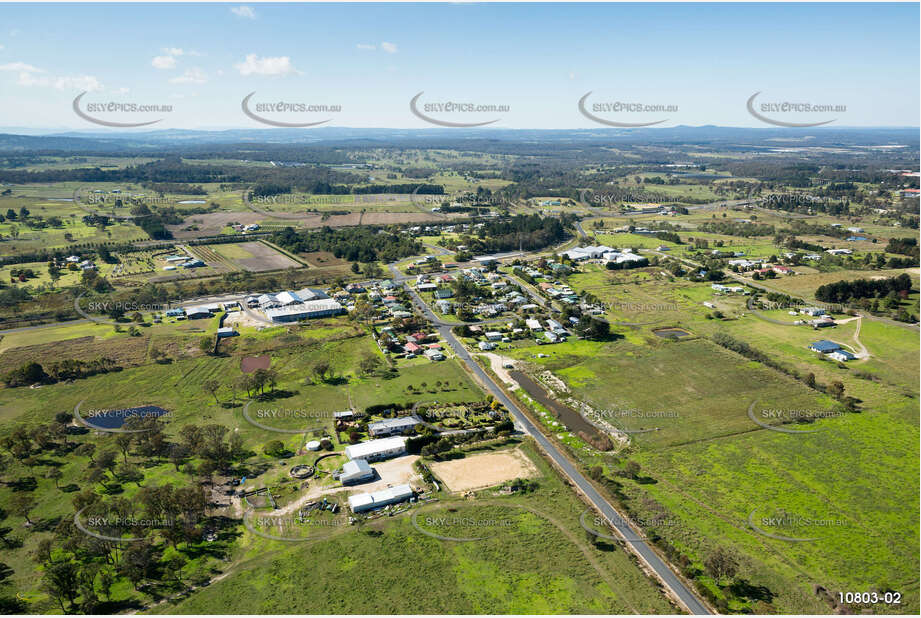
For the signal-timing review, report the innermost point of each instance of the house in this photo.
(494, 336)
(393, 426)
(376, 450)
(824, 346)
(426, 287)
(782, 270)
(533, 324)
(344, 415)
(356, 471)
(553, 325)
(434, 354)
(412, 348)
(486, 346)
(194, 313)
(442, 293)
(855, 230)
(231, 305)
(360, 503)
(226, 331)
(813, 311)
(822, 322)
(551, 337)
(842, 356)
(839, 251)
(174, 313)
(322, 308)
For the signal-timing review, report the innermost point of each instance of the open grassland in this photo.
(846, 480)
(388, 566)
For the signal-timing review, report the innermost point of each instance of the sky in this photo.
(698, 64)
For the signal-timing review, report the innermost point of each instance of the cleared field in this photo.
(805, 285)
(479, 471)
(252, 256)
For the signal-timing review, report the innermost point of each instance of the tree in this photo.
(721, 563)
(22, 504)
(55, 474)
(60, 581)
(211, 386)
(123, 442)
(320, 370)
(206, 344)
(632, 469)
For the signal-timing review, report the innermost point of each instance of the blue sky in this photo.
(538, 59)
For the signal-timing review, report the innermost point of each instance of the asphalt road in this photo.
(618, 521)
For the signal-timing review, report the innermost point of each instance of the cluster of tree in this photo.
(843, 291)
(356, 244)
(903, 246)
(528, 232)
(32, 372)
(737, 228)
(669, 236)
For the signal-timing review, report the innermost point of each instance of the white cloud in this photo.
(173, 51)
(390, 48)
(20, 66)
(78, 82)
(244, 11)
(365, 46)
(164, 62)
(30, 75)
(2, 47)
(68, 82)
(254, 65)
(191, 76)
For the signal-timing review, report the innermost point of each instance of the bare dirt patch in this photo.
(486, 470)
(249, 364)
(318, 259)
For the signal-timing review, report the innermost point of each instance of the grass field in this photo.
(707, 467)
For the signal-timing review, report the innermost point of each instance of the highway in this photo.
(662, 570)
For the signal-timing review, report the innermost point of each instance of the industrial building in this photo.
(392, 495)
(321, 308)
(376, 450)
(356, 471)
